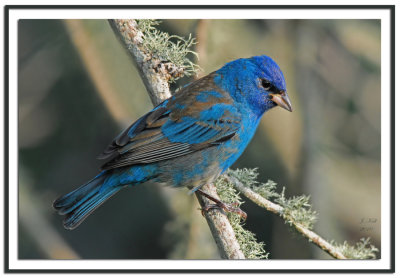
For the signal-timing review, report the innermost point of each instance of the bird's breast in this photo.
(232, 149)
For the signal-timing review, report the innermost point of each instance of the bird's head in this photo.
(271, 83)
(258, 81)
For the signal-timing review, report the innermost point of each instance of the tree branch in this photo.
(156, 74)
(278, 210)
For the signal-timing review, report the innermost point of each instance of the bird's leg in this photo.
(219, 204)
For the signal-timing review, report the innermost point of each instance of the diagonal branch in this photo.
(156, 74)
(278, 210)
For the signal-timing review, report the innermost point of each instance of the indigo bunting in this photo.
(187, 140)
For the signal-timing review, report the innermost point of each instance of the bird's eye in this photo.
(266, 84)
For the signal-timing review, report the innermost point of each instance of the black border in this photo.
(391, 8)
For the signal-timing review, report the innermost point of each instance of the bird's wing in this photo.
(177, 127)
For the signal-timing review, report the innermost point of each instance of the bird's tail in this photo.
(80, 203)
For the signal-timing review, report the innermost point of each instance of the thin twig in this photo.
(278, 210)
(155, 75)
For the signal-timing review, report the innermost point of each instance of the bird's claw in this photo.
(232, 208)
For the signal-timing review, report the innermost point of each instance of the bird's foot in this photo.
(233, 207)
(225, 207)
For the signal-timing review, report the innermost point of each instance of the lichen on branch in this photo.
(251, 248)
(363, 250)
(169, 50)
(296, 211)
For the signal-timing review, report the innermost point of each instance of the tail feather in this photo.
(80, 203)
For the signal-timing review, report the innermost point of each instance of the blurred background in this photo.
(78, 89)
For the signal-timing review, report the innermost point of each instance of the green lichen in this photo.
(251, 248)
(295, 209)
(168, 48)
(363, 250)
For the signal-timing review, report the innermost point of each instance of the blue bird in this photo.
(189, 139)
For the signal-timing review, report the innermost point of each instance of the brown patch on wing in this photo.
(155, 116)
(146, 134)
(147, 127)
(187, 98)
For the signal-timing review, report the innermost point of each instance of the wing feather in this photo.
(167, 132)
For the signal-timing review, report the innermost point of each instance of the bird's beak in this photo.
(282, 100)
